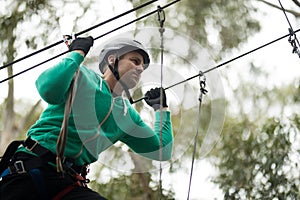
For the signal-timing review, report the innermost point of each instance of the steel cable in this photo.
(77, 34)
(137, 19)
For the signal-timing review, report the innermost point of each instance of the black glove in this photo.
(153, 98)
(83, 44)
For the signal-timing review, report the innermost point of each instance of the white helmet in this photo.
(121, 46)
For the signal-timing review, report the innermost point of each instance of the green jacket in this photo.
(97, 119)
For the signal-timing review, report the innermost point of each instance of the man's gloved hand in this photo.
(82, 43)
(153, 98)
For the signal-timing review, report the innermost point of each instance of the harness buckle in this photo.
(32, 146)
(19, 166)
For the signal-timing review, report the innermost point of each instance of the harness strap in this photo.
(81, 182)
(30, 145)
(44, 156)
(32, 165)
(64, 192)
(10, 150)
(42, 152)
(20, 166)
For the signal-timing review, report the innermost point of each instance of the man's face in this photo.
(130, 68)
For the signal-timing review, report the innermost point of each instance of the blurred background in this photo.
(248, 143)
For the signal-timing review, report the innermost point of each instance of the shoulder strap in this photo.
(10, 150)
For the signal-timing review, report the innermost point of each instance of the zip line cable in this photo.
(146, 15)
(161, 19)
(203, 91)
(79, 33)
(292, 33)
(225, 63)
(137, 19)
(235, 58)
(52, 58)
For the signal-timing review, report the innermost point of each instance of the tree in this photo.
(196, 19)
(293, 12)
(42, 16)
(241, 137)
(21, 14)
(258, 156)
(257, 163)
(9, 24)
(200, 19)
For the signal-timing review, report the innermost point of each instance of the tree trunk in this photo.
(9, 131)
(143, 178)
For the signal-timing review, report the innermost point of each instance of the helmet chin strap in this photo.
(115, 72)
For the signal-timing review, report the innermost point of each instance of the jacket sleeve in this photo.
(53, 83)
(146, 141)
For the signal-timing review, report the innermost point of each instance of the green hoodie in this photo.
(97, 120)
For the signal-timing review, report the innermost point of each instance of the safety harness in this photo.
(44, 157)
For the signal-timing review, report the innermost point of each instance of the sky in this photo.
(276, 59)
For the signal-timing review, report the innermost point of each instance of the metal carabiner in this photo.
(161, 16)
(68, 39)
(202, 83)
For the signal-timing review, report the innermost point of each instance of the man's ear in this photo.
(111, 59)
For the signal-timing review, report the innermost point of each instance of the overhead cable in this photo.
(224, 63)
(52, 58)
(293, 40)
(79, 33)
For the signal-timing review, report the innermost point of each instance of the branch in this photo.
(28, 117)
(296, 14)
(142, 177)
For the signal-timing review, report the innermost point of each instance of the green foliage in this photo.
(130, 187)
(26, 114)
(257, 157)
(230, 22)
(12, 22)
(256, 163)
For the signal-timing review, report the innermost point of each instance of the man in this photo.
(86, 114)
